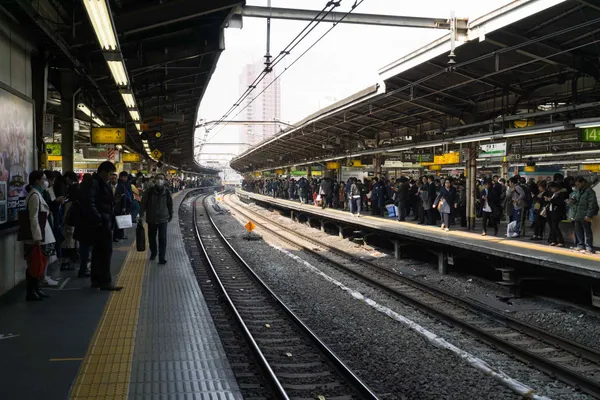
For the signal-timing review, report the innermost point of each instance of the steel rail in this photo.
(573, 378)
(365, 392)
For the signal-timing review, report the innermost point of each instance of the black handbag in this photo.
(25, 224)
(140, 237)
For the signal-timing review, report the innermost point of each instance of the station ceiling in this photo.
(170, 48)
(518, 64)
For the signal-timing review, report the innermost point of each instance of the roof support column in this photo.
(471, 186)
(39, 86)
(68, 82)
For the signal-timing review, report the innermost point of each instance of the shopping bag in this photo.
(124, 221)
(391, 209)
(37, 262)
(140, 237)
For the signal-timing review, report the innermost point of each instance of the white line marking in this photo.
(7, 336)
(62, 285)
(513, 384)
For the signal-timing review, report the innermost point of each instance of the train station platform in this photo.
(459, 240)
(153, 340)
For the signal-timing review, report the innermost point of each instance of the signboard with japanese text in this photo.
(108, 136)
(333, 165)
(131, 157)
(17, 144)
(491, 150)
(444, 159)
(417, 158)
(48, 125)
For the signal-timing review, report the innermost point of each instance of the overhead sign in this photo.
(591, 134)
(108, 136)
(354, 163)
(444, 159)
(492, 150)
(48, 126)
(131, 157)
(54, 158)
(435, 168)
(279, 171)
(53, 149)
(156, 153)
(400, 164)
(416, 158)
(530, 168)
(298, 173)
(316, 173)
(173, 171)
(95, 152)
(333, 165)
(591, 167)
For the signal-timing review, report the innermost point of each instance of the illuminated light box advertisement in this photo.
(16, 154)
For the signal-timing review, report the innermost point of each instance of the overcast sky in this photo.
(344, 62)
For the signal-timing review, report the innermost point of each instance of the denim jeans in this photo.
(355, 204)
(583, 235)
(516, 216)
(161, 229)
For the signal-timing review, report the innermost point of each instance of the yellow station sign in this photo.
(131, 157)
(333, 165)
(109, 136)
(591, 167)
(444, 159)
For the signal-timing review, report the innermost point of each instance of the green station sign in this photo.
(591, 134)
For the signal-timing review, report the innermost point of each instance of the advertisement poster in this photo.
(16, 153)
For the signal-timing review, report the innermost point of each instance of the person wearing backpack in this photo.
(585, 208)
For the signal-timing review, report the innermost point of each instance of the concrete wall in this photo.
(15, 71)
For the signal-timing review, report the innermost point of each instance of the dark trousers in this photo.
(489, 218)
(555, 233)
(583, 235)
(84, 256)
(403, 210)
(101, 257)
(446, 219)
(161, 229)
(539, 225)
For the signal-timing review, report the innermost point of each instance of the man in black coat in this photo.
(96, 225)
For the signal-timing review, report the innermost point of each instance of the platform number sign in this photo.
(591, 134)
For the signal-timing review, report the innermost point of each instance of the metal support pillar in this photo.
(472, 185)
(442, 263)
(308, 172)
(397, 250)
(39, 78)
(377, 165)
(322, 226)
(340, 231)
(292, 215)
(67, 113)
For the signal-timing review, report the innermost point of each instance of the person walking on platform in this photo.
(96, 225)
(157, 208)
(557, 211)
(586, 208)
(445, 202)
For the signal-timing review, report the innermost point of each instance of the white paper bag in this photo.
(124, 221)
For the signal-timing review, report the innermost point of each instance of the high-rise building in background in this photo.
(266, 107)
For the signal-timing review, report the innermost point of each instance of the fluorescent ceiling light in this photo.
(137, 126)
(526, 133)
(98, 121)
(582, 152)
(83, 108)
(470, 140)
(97, 10)
(588, 125)
(566, 153)
(117, 69)
(129, 100)
(134, 115)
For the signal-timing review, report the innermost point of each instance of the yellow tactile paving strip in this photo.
(106, 368)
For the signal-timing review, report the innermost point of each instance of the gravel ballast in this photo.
(354, 331)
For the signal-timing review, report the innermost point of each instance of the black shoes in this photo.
(84, 274)
(152, 257)
(67, 267)
(111, 288)
(162, 262)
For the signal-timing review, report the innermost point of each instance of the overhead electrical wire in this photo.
(356, 4)
(329, 7)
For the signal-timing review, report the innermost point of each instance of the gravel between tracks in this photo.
(395, 361)
(400, 360)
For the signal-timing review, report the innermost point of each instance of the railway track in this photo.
(296, 363)
(568, 361)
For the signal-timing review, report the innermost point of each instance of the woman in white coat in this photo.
(35, 204)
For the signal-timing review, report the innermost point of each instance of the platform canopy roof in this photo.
(530, 64)
(170, 49)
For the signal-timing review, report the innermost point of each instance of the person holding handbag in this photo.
(41, 245)
(445, 202)
(540, 207)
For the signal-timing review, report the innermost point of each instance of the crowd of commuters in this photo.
(74, 218)
(442, 201)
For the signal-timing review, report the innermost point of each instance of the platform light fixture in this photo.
(138, 127)
(101, 20)
(98, 121)
(473, 139)
(526, 133)
(117, 69)
(134, 115)
(128, 99)
(84, 109)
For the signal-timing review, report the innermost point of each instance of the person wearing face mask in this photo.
(157, 208)
(36, 204)
(96, 225)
